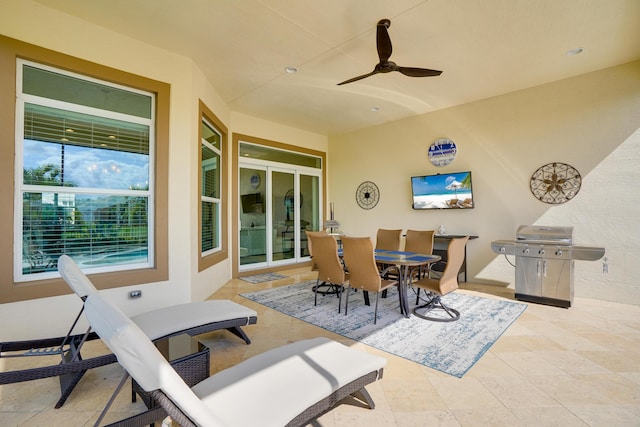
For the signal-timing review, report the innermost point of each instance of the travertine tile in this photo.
(464, 393)
(549, 417)
(529, 363)
(615, 361)
(517, 392)
(426, 419)
(605, 415)
(486, 416)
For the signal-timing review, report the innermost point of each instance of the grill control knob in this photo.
(541, 251)
(558, 252)
(525, 251)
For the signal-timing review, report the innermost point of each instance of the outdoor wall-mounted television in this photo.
(252, 203)
(442, 191)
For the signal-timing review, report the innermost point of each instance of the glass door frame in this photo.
(269, 167)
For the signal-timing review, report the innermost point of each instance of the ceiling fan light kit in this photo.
(383, 43)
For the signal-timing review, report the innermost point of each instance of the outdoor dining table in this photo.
(407, 263)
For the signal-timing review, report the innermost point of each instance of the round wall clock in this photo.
(367, 195)
(254, 181)
(442, 152)
(555, 183)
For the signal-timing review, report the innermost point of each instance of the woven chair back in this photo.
(455, 258)
(326, 260)
(361, 264)
(388, 240)
(419, 241)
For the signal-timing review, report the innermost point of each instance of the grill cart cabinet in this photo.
(544, 279)
(544, 262)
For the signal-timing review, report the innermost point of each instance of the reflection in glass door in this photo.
(284, 214)
(253, 216)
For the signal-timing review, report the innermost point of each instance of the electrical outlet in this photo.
(135, 294)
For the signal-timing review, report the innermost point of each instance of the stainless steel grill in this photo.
(545, 261)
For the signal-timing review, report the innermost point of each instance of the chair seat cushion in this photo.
(429, 284)
(170, 320)
(274, 387)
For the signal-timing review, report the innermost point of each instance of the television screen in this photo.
(251, 203)
(442, 191)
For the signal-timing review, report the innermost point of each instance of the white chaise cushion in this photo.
(269, 389)
(142, 360)
(169, 320)
(164, 321)
(75, 278)
(272, 388)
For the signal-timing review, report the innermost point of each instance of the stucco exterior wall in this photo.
(590, 122)
(32, 23)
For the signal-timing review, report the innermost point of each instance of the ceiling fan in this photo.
(383, 42)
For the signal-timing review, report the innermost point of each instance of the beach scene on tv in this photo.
(443, 191)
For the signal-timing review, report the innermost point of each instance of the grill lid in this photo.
(548, 234)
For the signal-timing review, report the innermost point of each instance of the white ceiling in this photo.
(485, 48)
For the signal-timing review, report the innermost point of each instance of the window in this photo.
(86, 186)
(212, 189)
(88, 159)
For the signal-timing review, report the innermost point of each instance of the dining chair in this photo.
(310, 245)
(434, 309)
(359, 259)
(419, 241)
(331, 275)
(388, 240)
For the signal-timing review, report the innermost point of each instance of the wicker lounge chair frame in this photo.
(72, 366)
(302, 371)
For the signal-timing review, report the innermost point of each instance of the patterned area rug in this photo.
(452, 347)
(265, 277)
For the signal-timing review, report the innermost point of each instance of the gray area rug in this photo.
(452, 347)
(265, 277)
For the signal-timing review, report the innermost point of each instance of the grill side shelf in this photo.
(587, 253)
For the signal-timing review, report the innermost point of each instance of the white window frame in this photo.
(217, 245)
(20, 187)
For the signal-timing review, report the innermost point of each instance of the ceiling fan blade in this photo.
(383, 41)
(383, 44)
(418, 72)
(355, 79)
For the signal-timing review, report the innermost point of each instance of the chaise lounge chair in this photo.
(191, 318)
(288, 385)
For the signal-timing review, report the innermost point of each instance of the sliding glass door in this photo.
(278, 203)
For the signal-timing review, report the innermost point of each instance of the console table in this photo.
(440, 245)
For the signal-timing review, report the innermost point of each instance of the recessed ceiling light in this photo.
(375, 109)
(290, 70)
(576, 51)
